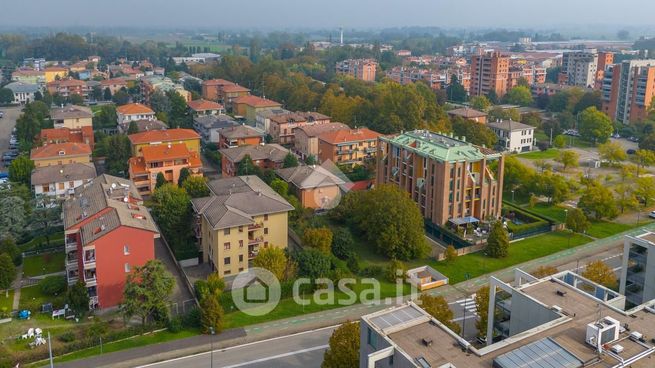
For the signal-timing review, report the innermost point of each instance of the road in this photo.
(299, 350)
(7, 123)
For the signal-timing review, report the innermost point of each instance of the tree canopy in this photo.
(344, 347)
(146, 292)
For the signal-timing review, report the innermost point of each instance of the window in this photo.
(240, 257)
(45, 188)
(240, 229)
(240, 243)
(226, 232)
(371, 337)
(265, 231)
(126, 249)
(127, 267)
(227, 272)
(266, 217)
(226, 260)
(61, 186)
(71, 184)
(226, 246)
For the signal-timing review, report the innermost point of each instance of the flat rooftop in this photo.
(567, 333)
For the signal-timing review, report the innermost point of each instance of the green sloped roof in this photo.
(441, 147)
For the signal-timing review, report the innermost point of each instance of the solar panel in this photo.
(396, 317)
(544, 353)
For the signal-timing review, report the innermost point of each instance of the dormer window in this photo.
(62, 153)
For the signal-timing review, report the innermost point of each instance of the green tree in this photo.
(196, 186)
(568, 159)
(498, 241)
(455, 90)
(626, 198)
(116, 151)
(77, 297)
(437, 307)
(7, 271)
(20, 170)
(106, 117)
(612, 152)
(577, 221)
(450, 253)
(312, 263)
(310, 160)
(342, 243)
(184, 174)
(146, 292)
(106, 95)
(482, 306)
(645, 189)
(318, 238)
(648, 142)
(544, 271)
(476, 133)
(597, 201)
(395, 269)
(519, 95)
(76, 99)
(392, 222)
(344, 347)
(171, 208)
(8, 246)
(14, 218)
(53, 285)
(6, 96)
(600, 273)
(161, 180)
(272, 259)
(644, 158)
(211, 314)
(280, 187)
(178, 116)
(559, 141)
(121, 97)
(247, 167)
(481, 103)
(595, 126)
(132, 128)
(290, 160)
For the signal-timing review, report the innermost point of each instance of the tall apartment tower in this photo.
(579, 68)
(638, 271)
(628, 89)
(489, 72)
(605, 59)
(449, 178)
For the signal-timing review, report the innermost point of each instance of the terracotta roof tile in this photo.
(166, 135)
(349, 135)
(202, 105)
(256, 101)
(60, 150)
(134, 109)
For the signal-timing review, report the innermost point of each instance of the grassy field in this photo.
(476, 264)
(603, 229)
(43, 264)
(554, 212)
(550, 153)
(32, 294)
(55, 240)
(6, 301)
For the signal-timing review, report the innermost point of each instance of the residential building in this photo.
(249, 106)
(133, 112)
(263, 119)
(241, 216)
(638, 269)
(268, 156)
(469, 114)
(605, 59)
(29, 76)
(166, 159)
(72, 117)
(108, 233)
(60, 154)
(61, 180)
(551, 89)
(579, 68)
(208, 126)
(52, 73)
(65, 135)
(34, 63)
(23, 92)
(563, 321)
(239, 135)
(306, 137)
(222, 91)
(316, 186)
(114, 85)
(143, 125)
(628, 90)
(198, 58)
(68, 87)
(434, 78)
(447, 177)
(163, 137)
(489, 72)
(528, 72)
(152, 83)
(205, 107)
(513, 136)
(350, 147)
(363, 69)
(282, 127)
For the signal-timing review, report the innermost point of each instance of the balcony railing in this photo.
(255, 240)
(258, 225)
(71, 262)
(72, 279)
(71, 245)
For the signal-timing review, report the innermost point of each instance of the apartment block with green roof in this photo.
(450, 179)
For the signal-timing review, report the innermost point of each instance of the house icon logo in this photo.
(256, 291)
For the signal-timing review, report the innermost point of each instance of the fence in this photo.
(42, 251)
(445, 236)
(179, 267)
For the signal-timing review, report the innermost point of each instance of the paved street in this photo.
(7, 123)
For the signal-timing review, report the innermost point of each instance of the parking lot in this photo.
(7, 123)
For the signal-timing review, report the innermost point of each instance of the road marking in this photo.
(467, 317)
(277, 356)
(238, 346)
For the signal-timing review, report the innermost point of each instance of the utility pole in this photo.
(52, 365)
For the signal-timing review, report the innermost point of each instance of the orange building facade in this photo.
(169, 160)
(489, 72)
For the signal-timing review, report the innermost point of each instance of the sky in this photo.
(296, 14)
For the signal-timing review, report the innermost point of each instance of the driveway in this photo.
(181, 293)
(7, 123)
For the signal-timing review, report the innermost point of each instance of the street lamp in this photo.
(566, 217)
(211, 342)
(512, 195)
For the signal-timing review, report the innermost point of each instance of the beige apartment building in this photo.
(241, 216)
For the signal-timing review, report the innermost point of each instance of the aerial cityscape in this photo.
(365, 184)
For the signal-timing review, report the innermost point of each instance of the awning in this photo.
(464, 220)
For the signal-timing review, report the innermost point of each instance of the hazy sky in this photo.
(325, 13)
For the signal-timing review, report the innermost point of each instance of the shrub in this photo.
(174, 324)
(391, 272)
(53, 285)
(67, 337)
(353, 263)
(192, 319)
(342, 243)
(372, 271)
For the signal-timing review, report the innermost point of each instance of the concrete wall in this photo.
(527, 314)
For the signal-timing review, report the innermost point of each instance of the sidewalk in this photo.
(310, 321)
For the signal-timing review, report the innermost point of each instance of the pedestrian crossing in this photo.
(468, 304)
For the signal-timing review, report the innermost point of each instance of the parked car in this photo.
(631, 151)
(12, 153)
(2, 114)
(652, 214)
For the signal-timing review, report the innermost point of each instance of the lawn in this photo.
(56, 240)
(551, 211)
(43, 264)
(550, 153)
(32, 295)
(603, 229)
(476, 264)
(6, 301)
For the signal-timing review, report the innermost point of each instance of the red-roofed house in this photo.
(167, 159)
(351, 146)
(222, 91)
(114, 84)
(168, 136)
(60, 154)
(249, 106)
(65, 135)
(204, 107)
(134, 112)
(68, 87)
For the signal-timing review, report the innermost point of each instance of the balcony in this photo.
(255, 240)
(90, 279)
(89, 260)
(255, 226)
(72, 277)
(93, 302)
(71, 262)
(71, 245)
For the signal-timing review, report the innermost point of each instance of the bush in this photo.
(53, 285)
(342, 243)
(372, 271)
(391, 272)
(174, 324)
(192, 319)
(67, 337)
(353, 263)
